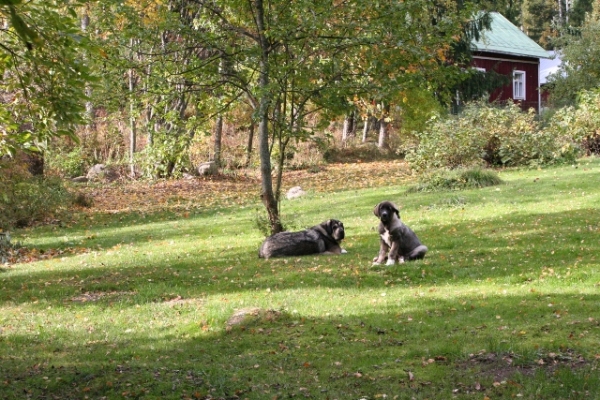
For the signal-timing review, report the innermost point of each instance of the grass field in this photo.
(177, 305)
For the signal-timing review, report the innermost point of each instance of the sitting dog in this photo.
(395, 237)
(324, 238)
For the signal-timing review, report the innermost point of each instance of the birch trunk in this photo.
(365, 130)
(346, 129)
(89, 106)
(132, 125)
(383, 128)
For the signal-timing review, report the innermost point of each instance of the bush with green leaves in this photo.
(168, 156)
(25, 200)
(450, 142)
(66, 163)
(580, 125)
(485, 134)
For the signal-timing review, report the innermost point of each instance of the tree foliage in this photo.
(580, 54)
(44, 76)
(170, 67)
(291, 62)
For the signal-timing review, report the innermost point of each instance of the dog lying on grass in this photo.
(398, 243)
(324, 238)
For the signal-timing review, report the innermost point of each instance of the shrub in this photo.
(451, 142)
(167, 157)
(356, 151)
(518, 139)
(83, 200)
(66, 163)
(25, 199)
(579, 126)
(458, 179)
(487, 135)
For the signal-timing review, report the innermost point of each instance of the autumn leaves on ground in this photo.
(156, 291)
(223, 190)
(240, 187)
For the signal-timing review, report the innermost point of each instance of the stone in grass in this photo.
(207, 168)
(250, 315)
(295, 192)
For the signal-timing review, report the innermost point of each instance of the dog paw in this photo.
(344, 251)
(401, 260)
(390, 262)
(376, 263)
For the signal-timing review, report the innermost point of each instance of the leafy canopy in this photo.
(44, 76)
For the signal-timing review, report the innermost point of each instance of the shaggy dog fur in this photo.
(324, 238)
(398, 243)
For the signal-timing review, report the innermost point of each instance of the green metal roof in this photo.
(505, 38)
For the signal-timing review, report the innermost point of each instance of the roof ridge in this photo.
(506, 38)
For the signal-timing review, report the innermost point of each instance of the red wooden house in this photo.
(508, 51)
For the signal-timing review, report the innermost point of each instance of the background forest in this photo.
(154, 88)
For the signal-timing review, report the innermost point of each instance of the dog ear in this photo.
(376, 210)
(395, 209)
(329, 226)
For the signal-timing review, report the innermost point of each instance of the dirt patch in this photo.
(179, 301)
(501, 367)
(96, 296)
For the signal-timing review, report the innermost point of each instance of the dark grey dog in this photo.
(324, 238)
(395, 237)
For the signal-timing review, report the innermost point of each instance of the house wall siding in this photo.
(505, 65)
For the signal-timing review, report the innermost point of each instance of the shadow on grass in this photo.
(420, 348)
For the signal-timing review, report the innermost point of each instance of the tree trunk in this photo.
(349, 129)
(267, 196)
(249, 145)
(132, 122)
(354, 124)
(346, 128)
(365, 129)
(132, 126)
(383, 128)
(89, 106)
(223, 68)
(218, 140)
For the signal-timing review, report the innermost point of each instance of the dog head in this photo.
(385, 211)
(335, 229)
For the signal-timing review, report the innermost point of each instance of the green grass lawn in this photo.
(505, 304)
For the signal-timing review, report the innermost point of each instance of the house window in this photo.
(519, 85)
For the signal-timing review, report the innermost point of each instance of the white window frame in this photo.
(480, 69)
(519, 85)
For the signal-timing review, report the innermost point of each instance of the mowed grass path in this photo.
(505, 305)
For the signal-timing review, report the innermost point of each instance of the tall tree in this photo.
(580, 53)
(578, 10)
(511, 9)
(173, 85)
(290, 63)
(296, 61)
